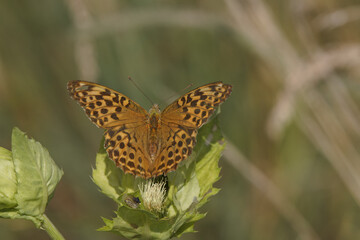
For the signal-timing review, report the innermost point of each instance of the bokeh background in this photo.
(292, 165)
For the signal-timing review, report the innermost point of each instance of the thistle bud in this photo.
(153, 195)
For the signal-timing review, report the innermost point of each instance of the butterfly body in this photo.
(154, 126)
(148, 144)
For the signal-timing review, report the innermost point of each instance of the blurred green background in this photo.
(292, 165)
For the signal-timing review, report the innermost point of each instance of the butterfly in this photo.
(148, 144)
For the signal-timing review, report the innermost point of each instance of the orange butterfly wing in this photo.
(181, 120)
(124, 120)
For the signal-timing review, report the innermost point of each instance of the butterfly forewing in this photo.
(194, 108)
(106, 107)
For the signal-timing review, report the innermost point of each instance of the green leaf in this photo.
(36, 172)
(187, 194)
(207, 169)
(7, 180)
(209, 134)
(188, 226)
(138, 224)
(111, 180)
(106, 175)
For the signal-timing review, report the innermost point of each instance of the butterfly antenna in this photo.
(137, 86)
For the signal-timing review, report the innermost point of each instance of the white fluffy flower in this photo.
(153, 195)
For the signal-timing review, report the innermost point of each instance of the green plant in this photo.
(159, 208)
(28, 177)
(185, 191)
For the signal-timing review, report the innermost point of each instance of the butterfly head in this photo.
(154, 110)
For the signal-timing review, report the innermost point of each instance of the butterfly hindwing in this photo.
(125, 146)
(178, 145)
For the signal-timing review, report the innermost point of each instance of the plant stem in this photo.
(49, 227)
